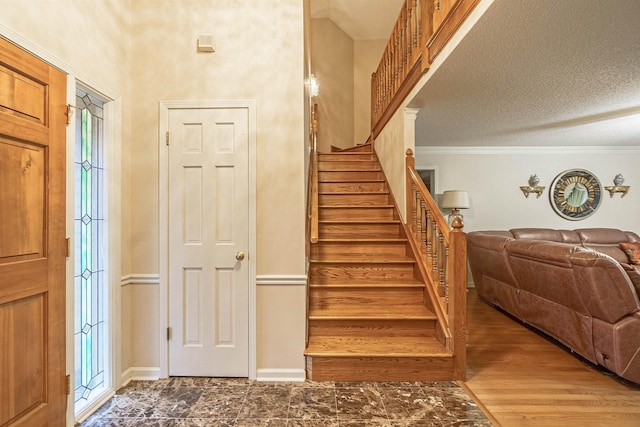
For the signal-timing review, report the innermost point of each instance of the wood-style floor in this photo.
(522, 378)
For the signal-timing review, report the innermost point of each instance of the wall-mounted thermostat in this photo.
(206, 43)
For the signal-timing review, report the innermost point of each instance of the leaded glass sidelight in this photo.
(91, 293)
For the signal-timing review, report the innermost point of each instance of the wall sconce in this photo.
(455, 200)
(618, 180)
(314, 86)
(533, 187)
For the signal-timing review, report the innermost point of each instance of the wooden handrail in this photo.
(312, 188)
(443, 254)
(419, 35)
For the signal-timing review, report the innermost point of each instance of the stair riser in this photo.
(329, 250)
(323, 273)
(353, 199)
(363, 230)
(380, 369)
(335, 298)
(348, 165)
(362, 148)
(345, 157)
(334, 187)
(365, 328)
(356, 213)
(344, 176)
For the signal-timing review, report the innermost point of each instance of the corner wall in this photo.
(259, 56)
(332, 65)
(144, 51)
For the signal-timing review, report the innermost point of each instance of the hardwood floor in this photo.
(522, 378)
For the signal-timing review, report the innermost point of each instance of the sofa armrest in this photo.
(604, 286)
(487, 256)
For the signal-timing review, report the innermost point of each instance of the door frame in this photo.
(163, 223)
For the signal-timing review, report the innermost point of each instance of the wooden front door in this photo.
(32, 241)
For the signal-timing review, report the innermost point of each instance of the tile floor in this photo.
(182, 402)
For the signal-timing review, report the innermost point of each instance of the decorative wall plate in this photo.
(575, 194)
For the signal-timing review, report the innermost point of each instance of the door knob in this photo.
(239, 255)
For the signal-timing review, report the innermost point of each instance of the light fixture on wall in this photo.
(618, 180)
(455, 200)
(314, 86)
(533, 187)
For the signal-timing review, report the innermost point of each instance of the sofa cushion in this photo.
(604, 240)
(632, 250)
(548, 234)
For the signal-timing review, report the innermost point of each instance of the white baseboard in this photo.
(281, 375)
(139, 374)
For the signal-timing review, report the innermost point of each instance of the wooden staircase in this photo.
(369, 314)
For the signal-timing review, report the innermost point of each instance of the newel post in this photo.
(458, 296)
(410, 165)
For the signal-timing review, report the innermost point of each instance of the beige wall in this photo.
(366, 57)
(390, 146)
(246, 65)
(343, 67)
(144, 51)
(281, 326)
(259, 56)
(332, 64)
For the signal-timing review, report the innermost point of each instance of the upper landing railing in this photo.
(422, 30)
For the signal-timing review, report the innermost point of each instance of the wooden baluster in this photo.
(441, 269)
(429, 238)
(423, 235)
(435, 248)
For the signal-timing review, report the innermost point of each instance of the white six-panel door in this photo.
(208, 242)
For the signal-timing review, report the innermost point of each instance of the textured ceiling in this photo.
(360, 19)
(539, 73)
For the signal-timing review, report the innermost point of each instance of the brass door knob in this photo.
(239, 255)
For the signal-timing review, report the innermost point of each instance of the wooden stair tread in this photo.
(370, 312)
(348, 181)
(348, 169)
(359, 221)
(355, 206)
(364, 240)
(344, 153)
(352, 193)
(372, 284)
(363, 259)
(345, 346)
(346, 159)
(359, 181)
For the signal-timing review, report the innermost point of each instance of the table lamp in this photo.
(455, 200)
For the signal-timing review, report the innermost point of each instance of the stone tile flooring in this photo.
(183, 402)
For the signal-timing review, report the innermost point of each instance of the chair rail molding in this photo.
(281, 279)
(140, 279)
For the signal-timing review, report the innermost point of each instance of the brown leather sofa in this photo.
(575, 285)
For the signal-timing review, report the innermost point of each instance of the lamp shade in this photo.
(455, 199)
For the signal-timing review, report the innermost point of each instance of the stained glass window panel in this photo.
(91, 293)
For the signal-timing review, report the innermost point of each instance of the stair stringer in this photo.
(420, 271)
